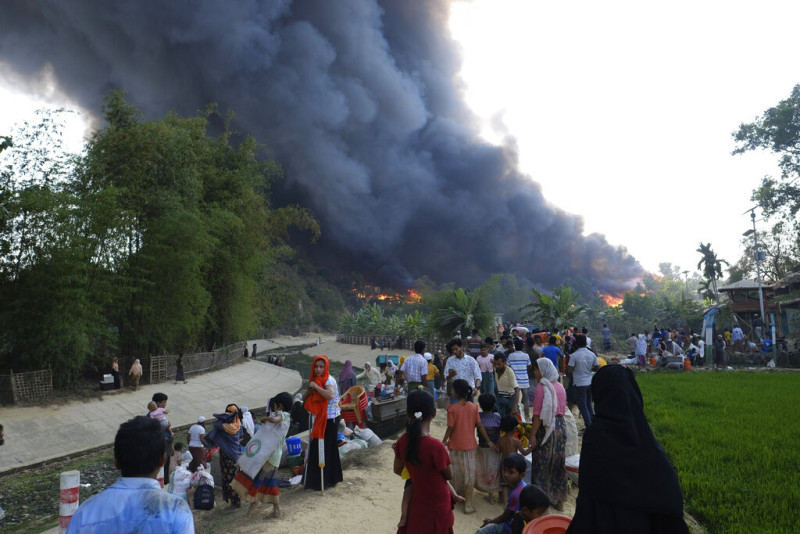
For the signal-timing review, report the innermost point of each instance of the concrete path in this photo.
(41, 433)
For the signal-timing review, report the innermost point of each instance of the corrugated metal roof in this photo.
(744, 284)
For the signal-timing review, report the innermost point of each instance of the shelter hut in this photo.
(744, 304)
(786, 292)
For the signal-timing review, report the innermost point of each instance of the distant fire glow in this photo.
(376, 293)
(610, 300)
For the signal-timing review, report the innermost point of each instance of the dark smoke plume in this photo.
(361, 103)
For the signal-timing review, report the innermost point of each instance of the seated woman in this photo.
(627, 483)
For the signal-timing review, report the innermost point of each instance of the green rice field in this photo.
(734, 438)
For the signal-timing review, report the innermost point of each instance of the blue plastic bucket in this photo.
(293, 445)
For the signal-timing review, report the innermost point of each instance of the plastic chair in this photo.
(354, 406)
(549, 524)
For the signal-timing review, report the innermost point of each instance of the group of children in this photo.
(429, 497)
(443, 473)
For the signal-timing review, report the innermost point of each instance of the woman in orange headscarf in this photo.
(324, 470)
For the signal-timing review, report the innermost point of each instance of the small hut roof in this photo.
(743, 284)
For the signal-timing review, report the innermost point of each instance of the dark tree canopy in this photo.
(160, 237)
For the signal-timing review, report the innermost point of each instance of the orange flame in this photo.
(413, 296)
(610, 300)
(374, 293)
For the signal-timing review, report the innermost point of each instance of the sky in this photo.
(623, 111)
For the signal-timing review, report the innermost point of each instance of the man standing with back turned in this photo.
(415, 367)
(135, 502)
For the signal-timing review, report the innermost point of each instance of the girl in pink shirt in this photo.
(462, 420)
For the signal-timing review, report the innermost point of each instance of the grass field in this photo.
(733, 438)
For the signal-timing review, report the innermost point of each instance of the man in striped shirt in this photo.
(520, 362)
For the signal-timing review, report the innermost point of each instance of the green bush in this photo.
(733, 439)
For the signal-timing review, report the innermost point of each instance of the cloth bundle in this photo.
(201, 475)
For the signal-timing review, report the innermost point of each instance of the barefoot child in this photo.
(428, 507)
(256, 481)
(462, 420)
(514, 467)
(508, 444)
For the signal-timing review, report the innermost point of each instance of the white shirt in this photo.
(195, 431)
(466, 368)
(582, 361)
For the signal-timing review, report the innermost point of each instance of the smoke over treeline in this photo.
(359, 100)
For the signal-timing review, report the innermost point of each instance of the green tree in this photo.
(459, 309)
(554, 312)
(51, 301)
(781, 247)
(777, 130)
(197, 231)
(711, 267)
(414, 325)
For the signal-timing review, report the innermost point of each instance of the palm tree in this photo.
(712, 267)
(460, 315)
(557, 311)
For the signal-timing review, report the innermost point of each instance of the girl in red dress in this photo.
(428, 463)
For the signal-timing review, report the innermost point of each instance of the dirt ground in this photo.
(369, 486)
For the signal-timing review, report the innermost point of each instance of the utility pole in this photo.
(758, 265)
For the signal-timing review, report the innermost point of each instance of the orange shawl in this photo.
(316, 404)
(235, 424)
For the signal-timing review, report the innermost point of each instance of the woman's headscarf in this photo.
(347, 371)
(247, 421)
(316, 404)
(234, 423)
(136, 368)
(549, 402)
(347, 377)
(621, 458)
(227, 431)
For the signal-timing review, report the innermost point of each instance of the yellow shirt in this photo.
(432, 371)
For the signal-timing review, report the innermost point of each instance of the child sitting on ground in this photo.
(160, 413)
(519, 510)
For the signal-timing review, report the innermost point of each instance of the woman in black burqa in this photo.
(627, 483)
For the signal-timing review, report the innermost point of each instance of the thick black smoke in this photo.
(361, 103)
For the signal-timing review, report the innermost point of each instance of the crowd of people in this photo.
(491, 387)
(480, 448)
(673, 347)
(145, 444)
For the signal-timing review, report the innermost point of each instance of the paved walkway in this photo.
(40, 433)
